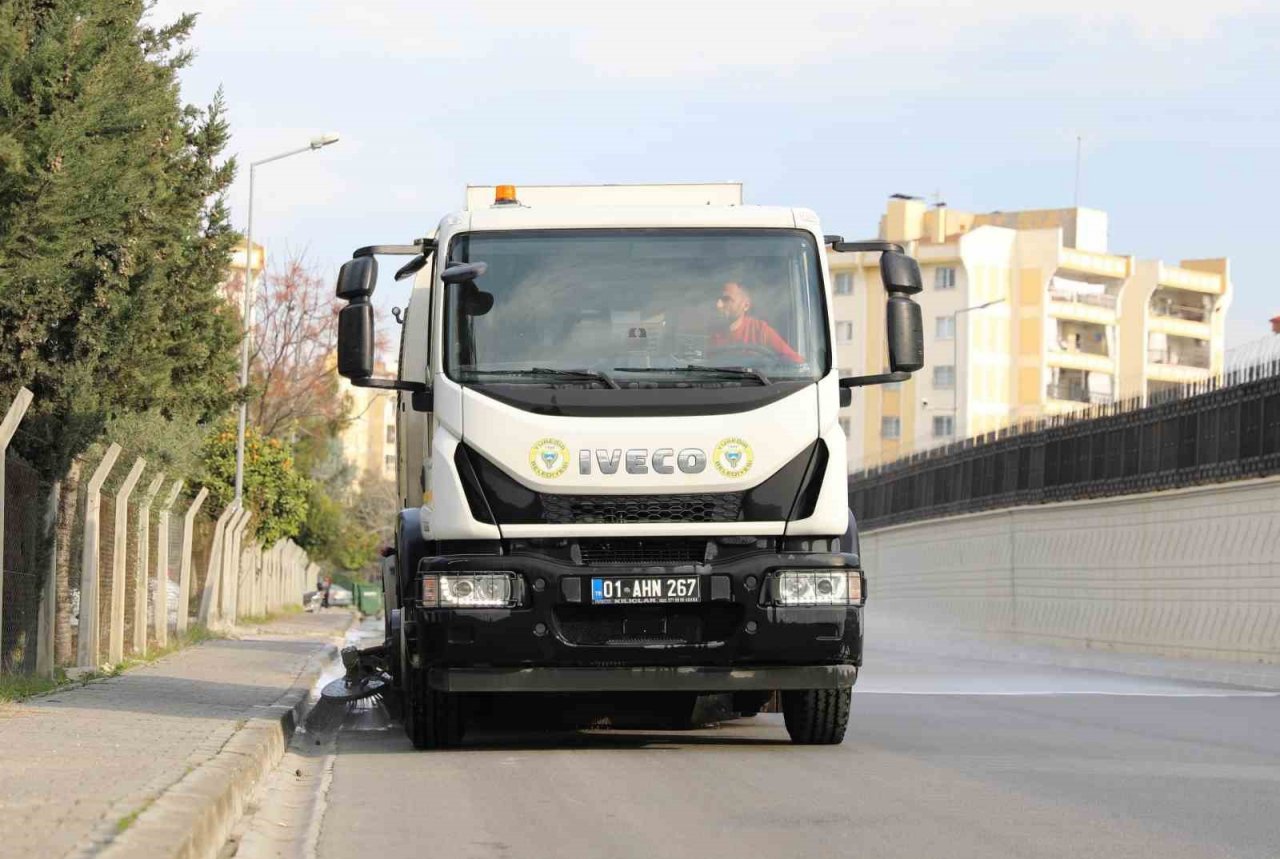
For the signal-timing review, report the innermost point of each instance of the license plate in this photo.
(645, 589)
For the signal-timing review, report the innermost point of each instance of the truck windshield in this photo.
(617, 308)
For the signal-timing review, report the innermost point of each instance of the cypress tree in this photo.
(113, 231)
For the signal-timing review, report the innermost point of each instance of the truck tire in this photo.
(433, 720)
(816, 717)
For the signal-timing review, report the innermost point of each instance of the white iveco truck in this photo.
(622, 473)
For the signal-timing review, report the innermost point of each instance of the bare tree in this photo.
(294, 384)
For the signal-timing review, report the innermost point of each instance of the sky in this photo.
(828, 105)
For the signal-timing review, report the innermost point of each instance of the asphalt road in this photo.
(976, 758)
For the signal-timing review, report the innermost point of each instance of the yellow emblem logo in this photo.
(549, 457)
(732, 457)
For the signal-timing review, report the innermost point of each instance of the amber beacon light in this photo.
(505, 195)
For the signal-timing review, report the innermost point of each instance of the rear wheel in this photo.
(816, 717)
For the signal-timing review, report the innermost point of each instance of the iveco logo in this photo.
(664, 460)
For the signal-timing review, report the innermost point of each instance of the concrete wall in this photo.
(1188, 573)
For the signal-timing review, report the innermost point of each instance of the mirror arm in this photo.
(851, 247)
(877, 379)
(389, 384)
(421, 246)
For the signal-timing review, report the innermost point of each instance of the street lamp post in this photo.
(316, 143)
(955, 332)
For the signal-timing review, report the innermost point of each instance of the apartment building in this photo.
(369, 440)
(1026, 314)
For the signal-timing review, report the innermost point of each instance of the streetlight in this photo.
(316, 143)
(955, 352)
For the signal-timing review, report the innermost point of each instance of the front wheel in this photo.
(816, 717)
(432, 720)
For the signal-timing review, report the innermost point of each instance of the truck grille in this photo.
(638, 626)
(640, 509)
(641, 553)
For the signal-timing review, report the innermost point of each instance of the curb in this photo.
(193, 818)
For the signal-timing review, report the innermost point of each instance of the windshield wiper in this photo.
(566, 375)
(735, 372)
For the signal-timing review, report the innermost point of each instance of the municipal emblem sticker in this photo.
(549, 457)
(732, 457)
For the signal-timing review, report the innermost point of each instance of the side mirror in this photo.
(357, 278)
(900, 273)
(355, 340)
(904, 327)
(905, 333)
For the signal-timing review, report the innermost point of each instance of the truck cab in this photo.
(619, 454)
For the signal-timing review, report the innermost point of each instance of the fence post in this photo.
(48, 611)
(184, 562)
(208, 599)
(115, 641)
(87, 633)
(312, 573)
(143, 571)
(13, 417)
(233, 564)
(161, 618)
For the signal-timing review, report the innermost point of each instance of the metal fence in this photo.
(94, 579)
(1227, 428)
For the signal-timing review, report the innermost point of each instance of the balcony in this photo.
(1081, 301)
(1074, 392)
(1077, 393)
(1094, 299)
(1178, 365)
(1180, 313)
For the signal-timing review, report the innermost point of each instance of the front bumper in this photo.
(733, 639)
(691, 678)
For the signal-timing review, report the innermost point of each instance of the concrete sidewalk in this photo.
(79, 768)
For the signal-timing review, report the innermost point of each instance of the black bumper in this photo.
(692, 678)
(556, 640)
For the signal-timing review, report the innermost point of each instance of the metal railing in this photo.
(1171, 310)
(1197, 359)
(1222, 429)
(1096, 299)
(1076, 393)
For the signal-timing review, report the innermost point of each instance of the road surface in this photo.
(942, 758)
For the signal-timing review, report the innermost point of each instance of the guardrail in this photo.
(1223, 429)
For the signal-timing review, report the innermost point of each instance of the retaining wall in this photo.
(1191, 572)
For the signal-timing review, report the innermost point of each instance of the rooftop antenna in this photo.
(1075, 202)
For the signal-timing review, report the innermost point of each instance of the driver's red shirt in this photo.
(757, 332)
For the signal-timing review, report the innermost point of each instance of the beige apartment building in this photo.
(1026, 314)
(369, 440)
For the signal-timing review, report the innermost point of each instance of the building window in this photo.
(391, 433)
(389, 461)
(846, 426)
(891, 427)
(844, 332)
(944, 277)
(944, 376)
(944, 327)
(844, 283)
(944, 426)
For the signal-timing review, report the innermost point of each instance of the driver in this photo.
(734, 305)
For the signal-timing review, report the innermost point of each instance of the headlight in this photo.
(470, 590)
(817, 587)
